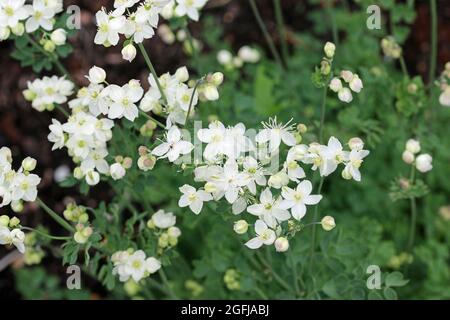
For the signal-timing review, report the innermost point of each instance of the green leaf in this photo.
(395, 279)
(390, 294)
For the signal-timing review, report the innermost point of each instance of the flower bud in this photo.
(328, 223)
(97, 75)
(356, 84)
(59, 36)
(117, 171)
(224, 57)
(329, 50)
(17, 206)
(5, 32)
(325, 68)
(163, 240)
(14, 222)
(247, 54)
(345, 95)
(281, 244)
(49, 46)
(413, 146)
(347, 75)
(28, 164)
(78, 173)
(217, 78)
(301, 128)
(210, 92)
(129, 52)
(335, 84)
(29, 95)
(92, 178)
(237, 62)
(240, 227)
(143, 150)
(356, 143)
(19, 29)
(408, 157)
(182, 74)
(174, 232)
(424, 163)
(127, 162)
(4, 220)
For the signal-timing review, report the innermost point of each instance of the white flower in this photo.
(264, 236)
(129, 52)
(408, 157)
(40, 16)
(355, 159)
(189, 8)
(174, 146)
(274, 133)
(164, 220)
(230, 180)
(413, 146)
(96, 75)
(254, 173)
(14, 237)
(92, 178)
(279, 179)
(46, 92)
(59, 36)
(25, 187)
(193, 198)
(297, 199)
(269, 209)
(215, 137)
(56, 134)
(424, 163)
(109, 28)
(117, 171)
(335, 84)
(11, 12)
(137, 265)
(345, 95)
(123, 101)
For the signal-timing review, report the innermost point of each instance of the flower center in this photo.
(136, 264)
(9, 11)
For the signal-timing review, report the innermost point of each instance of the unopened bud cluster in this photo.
(423, 162)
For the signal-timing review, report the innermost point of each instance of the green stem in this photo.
(63, 223)
(403, 66)
(332, 17)
(434, 34)
(261, 293)
(266, 34)
(149, 117)
(172, 294)
(46, 235)
(275, 275)
(281, 30)
(62, 110)
(322, 113)
(152, 70)
(412, 227)
(314, 226)
(192, 100)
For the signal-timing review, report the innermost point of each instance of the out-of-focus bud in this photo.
(413, 146)
(224, 57)
(281, 244)
(129, 52)
(328, 223)
(408, 157)
(356, 143)
(19, 29)
(59, 37)
(97, 75)
(240, 227)
(29, 164)
(49, 46)
(329, 50)
(217, 78)
(182, 74)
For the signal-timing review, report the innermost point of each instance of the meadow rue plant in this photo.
(267, 183)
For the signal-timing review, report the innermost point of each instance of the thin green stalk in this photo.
(314, 226)
(261, 293)
(322, 113)
(172, 294)
(332, 17)
(403, 66)
(281, 30)
(412, 227)
(62, 110)
(149, 117)
(46, 235)
(152, 70)
(63, 223)
(434, 34)
(275, 275)
(266, 34)
(192, 99)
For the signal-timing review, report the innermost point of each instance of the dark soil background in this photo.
(25, 130)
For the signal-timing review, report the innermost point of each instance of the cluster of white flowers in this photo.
(178, 97)
(18, 17)
(182, 8)
(240, 170)
(17, 186)
(10, 233)
(422, 162)
(135, 25)
(391, 49)
(344, 93)
(85, 137)
(246, 54)
(46, 92)
(134, 264)
(444, 98)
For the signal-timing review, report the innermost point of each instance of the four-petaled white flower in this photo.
(11, 12)
(124, 101)
(297, 199)
(189, 8)
(264, 235)
(355, 159)
(193, 198)
(40, 16)
(174, 146)
(269, 209)
(109, 28)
